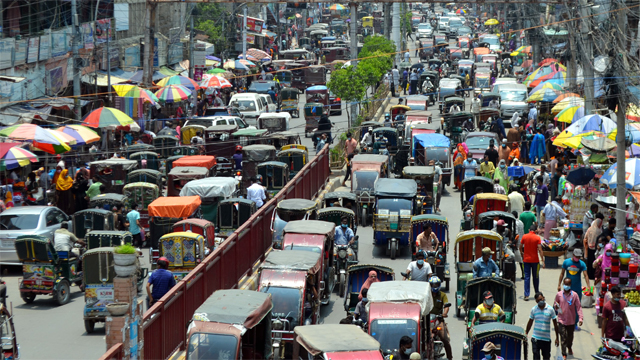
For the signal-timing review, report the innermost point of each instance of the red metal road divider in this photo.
(165, 323)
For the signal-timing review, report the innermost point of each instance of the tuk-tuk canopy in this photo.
(419, 171)
(418, 292)
(400, 107)
(126, 164)
(326, 338)
(100, 250)
(210, 187)
(174, 206)
(258, 152)
(340, 195)
(472, 234)
(316, 227)
(426, 218)
(206, 161)
(185, 234)
(110, 198)
(495, 214)
(373, 124)
(297, 204)
(490, 196)
(503, 291)
(273, 163)
(140, 147)
(188, 172)
(235, 307)
(293, 260)
(277, 115)
(221, 128)
(289, 93)
(395, 187)
(499, 327)
(250, 132)
(370, 158)
(431, 140)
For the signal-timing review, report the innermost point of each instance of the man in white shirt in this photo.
(494, 104)
(256, 192)
(516, 201)
(419, 270)
(476, 104)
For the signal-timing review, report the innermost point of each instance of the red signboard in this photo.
(253, 24)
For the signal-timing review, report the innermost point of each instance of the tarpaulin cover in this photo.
(411, 171)
(293, 260)
(633, 314)
(196, 160)
(174, 206)
(235, 307)
(210, 187)
(317, 339)
(395, 187)
(430, 140)
(258, 153)
(126, 164)
(296, 204)
(418, 292)
(310, 227)
(188, 172)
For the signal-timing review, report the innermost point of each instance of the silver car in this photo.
(425, 30)
(26, 220)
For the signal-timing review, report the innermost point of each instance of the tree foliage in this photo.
(373, 68)
(209, 19)
(347, 84)
(380, 44)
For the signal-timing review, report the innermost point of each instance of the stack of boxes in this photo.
(622, 275)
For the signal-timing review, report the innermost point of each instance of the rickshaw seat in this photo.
(465, 267)
(63, 255)
(465, 251)
(40, 250)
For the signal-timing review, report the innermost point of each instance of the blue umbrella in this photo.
(632, 174)
(581, 176)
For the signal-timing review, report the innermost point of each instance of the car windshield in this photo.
(389, 332)
(364, 180)
(438, 154)
(424, 27)
(491, 40)
(513, 95)
(482, 82)
(201, 122)
(246, 105)
(286, 304)
(314, 249)
(261, 87)
(455, 23)
(19, 222)
(463, 30)
(400, 206)
(212, 346)
(478, 142)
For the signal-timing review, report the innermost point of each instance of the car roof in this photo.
(26, 210)
(481, 133)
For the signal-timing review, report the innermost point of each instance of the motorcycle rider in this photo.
(488, 311)
(419, 268)
(439, 299)
(343, 234)
(324, 125)
(367, 139)
(387, 120)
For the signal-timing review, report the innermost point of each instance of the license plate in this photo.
(7, 243)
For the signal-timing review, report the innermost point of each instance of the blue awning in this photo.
(430, 140)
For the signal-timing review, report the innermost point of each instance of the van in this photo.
(208, 121)
(250, 105)
(443, 24)
(268, 102)
(513, 99)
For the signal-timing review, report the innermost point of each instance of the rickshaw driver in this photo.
(505, 232)
(488, 311)
(367, 139)
(343, 236)
(439, 299)
(64, 240)
(420, 269)
(485, 266)
(489, 351)
(311, 300)
(426, 240)
(479, 190)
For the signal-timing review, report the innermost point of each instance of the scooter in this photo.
(615, 350)
(436, 324)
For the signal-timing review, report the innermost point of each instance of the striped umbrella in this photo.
(564, 96)
(570, 114)
(558, 78)
(173, 93)
(29, 132)
(136, 92)
(17, 156)
(246, 63)
(336, 7)
(105, 116)
(543, 95)
(212, 81)
(179, 80)
(64, 145)
(567, 102)
(235, 65)
(546, 85)
(258, 54)
(82, 134)
(249, 57)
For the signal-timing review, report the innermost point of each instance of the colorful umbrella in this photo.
(525, 49)
(556, 78)
(235, 65)
(17, 156)
(212, 81)
(258, 54)
(546, 85)
(132, 91)
(585, 124)
(633, 112)
(29, 132)
(547, 62)
(246, 63)
(492, 22)
(106, 116)
(173, 93)
(570, 114)
(567, 103)
(249, 57)
(336, 7)
(632, 130)
(461, 12)
(179, 80)
(564, 96)
(543, 95)
(632, 174)
(216, 71)
(64, 145)
(82, 134)
(575, 142)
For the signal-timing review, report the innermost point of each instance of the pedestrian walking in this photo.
(542, 194)
(574, 268)
(540, 318)
(531, 250)
(567, 304)
(396, 80)
(414, 77)
(614, 319)
(590, 243)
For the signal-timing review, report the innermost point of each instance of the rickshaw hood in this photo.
(205, 161)
(174, 206)
(210, 187)
(402, 292)
(329, 338)
(315, 227)
(188, 172)
(395, 187)
(235, 307)
(431, 140)
(258, 153)
(503, 290)
(294, 279)
(397, 310)
(293, 260)
(310, 240)
(126, 164)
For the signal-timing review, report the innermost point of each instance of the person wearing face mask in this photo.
(489, 351)
(540, 318)
(361, 308)
(485, 266)
(575, 267)
(602, 262)
(367, 139)
(351, 144)
(504, 151)
(614, 318)
(502, 176)
(486, 167)
(439, 299)
(419, 270)
(404, 350)
(343, 234)
(488, 311)
(567, 304)
(610, 230)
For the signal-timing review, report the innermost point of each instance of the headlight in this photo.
(342, 254)
(277, 325)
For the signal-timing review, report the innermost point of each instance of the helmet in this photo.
(434, 281)
(238, 148)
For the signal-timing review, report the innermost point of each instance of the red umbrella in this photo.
(547, 62)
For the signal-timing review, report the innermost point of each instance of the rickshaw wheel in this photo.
(343, 285)
(364, 217)
(62, 294)
(446, 287)
(393, 253)
(89, 326)
(28, 297)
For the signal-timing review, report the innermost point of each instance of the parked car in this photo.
(27, 220)
(208, 121)
(425, 30)
(478, 143)
(268, 102)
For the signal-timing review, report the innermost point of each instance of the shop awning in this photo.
(102, 79)
(22, 114)
(57, 103)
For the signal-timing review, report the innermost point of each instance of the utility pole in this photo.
(77, 109)
(395, 18)
(353, 36)
(621, 69)
(191, 46)
(586, 51)
(149, 37)
(109, 63)
(572, 67)
(386, 16)
(244, 34)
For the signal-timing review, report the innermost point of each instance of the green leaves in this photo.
(377, 44)
(208, 19)
(347, 84)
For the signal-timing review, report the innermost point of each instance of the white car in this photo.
(425, 30)
(208, 121)
(268, 102)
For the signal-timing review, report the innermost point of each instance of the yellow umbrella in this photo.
(492, 22)
(570, 113)
(566, 103)
(121, 90)
(575, 141)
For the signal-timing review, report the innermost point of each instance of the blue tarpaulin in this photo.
(430, 140)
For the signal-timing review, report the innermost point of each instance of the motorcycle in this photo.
(317, 133)
(342, 262)
(615, 350)
(436, 324)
